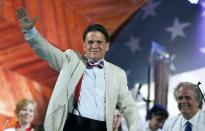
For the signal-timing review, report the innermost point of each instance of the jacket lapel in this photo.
(110, 98)
(76, 77)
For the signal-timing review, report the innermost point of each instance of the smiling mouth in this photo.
(94, 51)
(184, 107)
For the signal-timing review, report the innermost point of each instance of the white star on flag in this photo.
(149, 10)
(133, 44)
(177, 29)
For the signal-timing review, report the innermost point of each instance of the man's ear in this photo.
(84, 46)
(108, 46)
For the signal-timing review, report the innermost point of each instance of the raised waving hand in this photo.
(25, 21)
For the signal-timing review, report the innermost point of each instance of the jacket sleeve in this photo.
(44, 49)
(127, 104)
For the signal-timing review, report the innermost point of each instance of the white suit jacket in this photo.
(175, 123)
(71, 65)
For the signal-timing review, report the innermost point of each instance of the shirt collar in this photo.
(19, 126)
(193, 120)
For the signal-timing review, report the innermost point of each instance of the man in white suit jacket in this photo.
(189, 100)
(71, 65)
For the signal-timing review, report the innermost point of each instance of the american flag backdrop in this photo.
(177, 25)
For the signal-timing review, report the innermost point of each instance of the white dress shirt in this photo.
(193, 121)
(177, 123)
(92, 95)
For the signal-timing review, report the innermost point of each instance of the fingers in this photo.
(115, 122)
(118, 122)
(25, 21)
(21, 13)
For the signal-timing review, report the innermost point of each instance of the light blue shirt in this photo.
(92, 95)
(177, 123)
(193, 121)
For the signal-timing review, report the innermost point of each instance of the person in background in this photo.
(155, 119)
(88, 87)
(189, 100)
(25, 110)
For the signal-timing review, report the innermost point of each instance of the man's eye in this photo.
(90, 42)
(99, 42)
(188, 97)
(180, 98)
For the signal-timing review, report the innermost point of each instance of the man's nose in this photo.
(95, 44)
(183, 100)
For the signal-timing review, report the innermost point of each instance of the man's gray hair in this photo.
(195, 89)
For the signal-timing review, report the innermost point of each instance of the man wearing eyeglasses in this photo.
(189, 100)
(88, 87)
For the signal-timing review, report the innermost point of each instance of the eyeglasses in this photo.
(199, 83)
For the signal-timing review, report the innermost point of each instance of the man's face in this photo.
(95, 46)
(187, 103)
